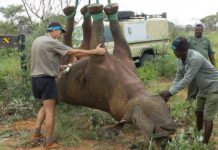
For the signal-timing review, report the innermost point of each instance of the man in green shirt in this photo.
(45, 56)
(192, 66)
(203, 46)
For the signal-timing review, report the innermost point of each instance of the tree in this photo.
(7, 28)
(44, 9)
(210, 21)
(15, 22)
(11, 12)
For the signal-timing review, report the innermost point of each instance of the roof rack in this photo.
(123, 15)
(163, 15)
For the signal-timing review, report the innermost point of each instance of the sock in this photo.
(49, 140)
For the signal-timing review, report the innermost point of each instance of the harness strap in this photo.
(113, 16)
(74, 11)
(97, 17)
(86, 15)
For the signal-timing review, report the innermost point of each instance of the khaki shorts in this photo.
(209, 105)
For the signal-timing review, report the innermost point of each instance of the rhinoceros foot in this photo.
(111, 8)
(84, 9)
(95, 8)
(69, 10)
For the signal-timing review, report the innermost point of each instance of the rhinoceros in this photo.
(110, 83)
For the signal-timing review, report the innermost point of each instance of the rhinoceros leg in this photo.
(69, 26)
(95, 10)
(68, 11)
(121, 47)
(87, 28)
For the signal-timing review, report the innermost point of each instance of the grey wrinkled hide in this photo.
(110, 83)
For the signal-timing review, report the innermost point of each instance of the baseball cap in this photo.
(180, 43)
(55, 26)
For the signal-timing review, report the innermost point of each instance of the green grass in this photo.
(10, 66)
(12, 85)
(75, 123)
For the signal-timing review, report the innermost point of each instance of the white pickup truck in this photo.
(147, 37)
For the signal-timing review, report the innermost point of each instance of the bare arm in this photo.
(81, 52)
(62, 67)
(211, 55)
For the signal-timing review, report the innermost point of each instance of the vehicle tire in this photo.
(145, 57)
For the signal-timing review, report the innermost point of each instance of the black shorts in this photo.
(44, 88)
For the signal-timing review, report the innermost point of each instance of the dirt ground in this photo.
(16, 135)
(24, 128)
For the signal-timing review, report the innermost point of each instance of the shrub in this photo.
(166, 66)
(147, 72)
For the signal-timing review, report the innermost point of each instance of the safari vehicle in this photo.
(147, 35)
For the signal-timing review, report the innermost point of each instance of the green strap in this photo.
(109, 1)
(74, 11)
(71, 15)
(76, 3)
(113, 16)
(86, 15)
(97, 1)
(97, 17)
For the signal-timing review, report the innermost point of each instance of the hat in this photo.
(55, 26)
(180, 43)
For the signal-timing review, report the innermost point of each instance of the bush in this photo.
(166, 66)
(12, 85)
(147, 72)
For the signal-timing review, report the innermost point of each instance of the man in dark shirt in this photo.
(203, 46)
(192, 66)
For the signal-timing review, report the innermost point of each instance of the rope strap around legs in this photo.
(71, 15)
(113, 16)
(74, 11)
(97, 17)
(86, 15)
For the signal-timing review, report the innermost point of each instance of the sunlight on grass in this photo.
(10, 66)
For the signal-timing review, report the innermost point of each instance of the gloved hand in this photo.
(165, 95)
